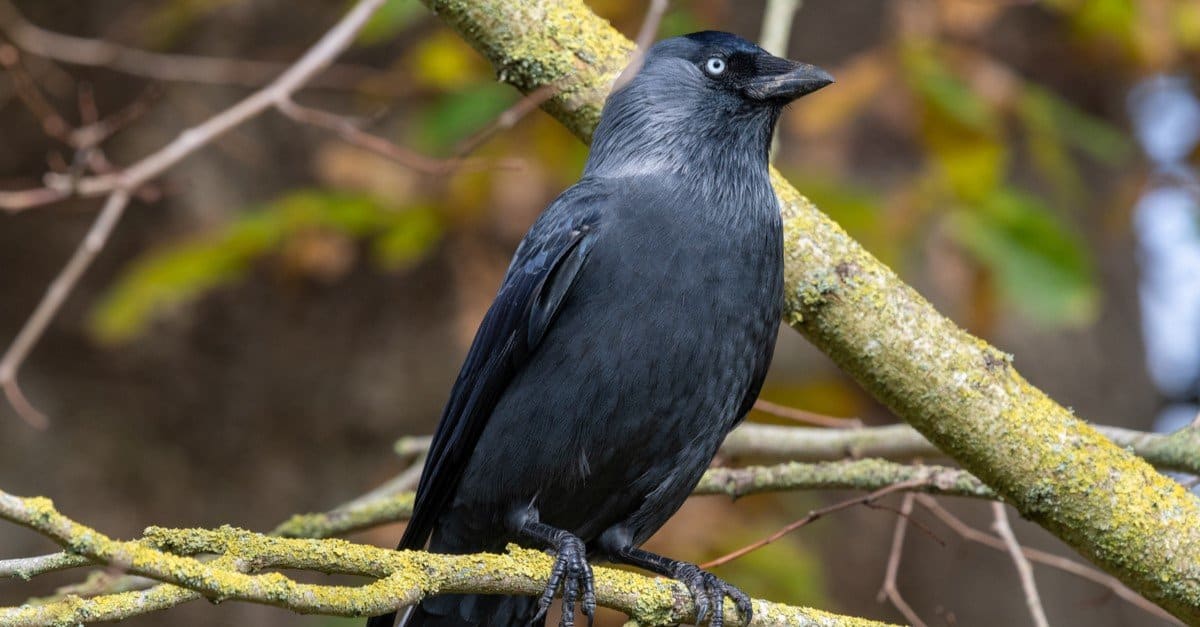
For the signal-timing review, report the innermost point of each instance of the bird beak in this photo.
(789, 80)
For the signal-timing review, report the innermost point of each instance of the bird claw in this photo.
(709, 592)
(571, 572)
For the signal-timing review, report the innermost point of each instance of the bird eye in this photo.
(715, 66)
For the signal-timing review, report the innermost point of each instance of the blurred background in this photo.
(275, 311)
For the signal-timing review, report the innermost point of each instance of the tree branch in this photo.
(405, 577)
(1083, 571)
(118, 186)
(1178, 451)
(154, 65)
(1024, 571)
(959, 392)
(393, 504)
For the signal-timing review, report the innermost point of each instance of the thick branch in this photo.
(406, 576)
(958, 391)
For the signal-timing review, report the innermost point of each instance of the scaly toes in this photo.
(573, 574)
(709, 592)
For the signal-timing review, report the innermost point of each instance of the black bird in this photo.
(631, 333)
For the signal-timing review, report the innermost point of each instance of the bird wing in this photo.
(538, 280)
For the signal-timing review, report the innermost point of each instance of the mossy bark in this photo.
(959, 392)
(403, 577)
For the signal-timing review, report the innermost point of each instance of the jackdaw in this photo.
(632, 331)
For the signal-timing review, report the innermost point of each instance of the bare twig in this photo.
(354, 135)
(813, 516)
(1066, 565)
(20, 200)
(806, 417)
(776, 31)
(55, 295)
(890, 591)
(158, 66)
(777, 25)
(645, 38)
(508, 118)
(1032, 599)
(120, 185)
(53, 123)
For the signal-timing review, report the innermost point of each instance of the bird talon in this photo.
(573, 574)
(709, 592)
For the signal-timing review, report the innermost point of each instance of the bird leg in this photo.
(708, 590)
(571, 570)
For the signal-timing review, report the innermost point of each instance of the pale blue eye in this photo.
(715, 66)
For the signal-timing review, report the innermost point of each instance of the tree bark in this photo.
(961, 393)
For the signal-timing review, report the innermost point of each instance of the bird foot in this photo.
(709, 592)
(573, 574)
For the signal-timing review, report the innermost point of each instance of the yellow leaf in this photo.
(445, 62)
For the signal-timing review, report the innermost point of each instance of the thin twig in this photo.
(1066, 565)
(405, 157)
(53, 123)
(890, 591)
(508, 118)
(776, 31)
(806, 417)
(1032, 599)
(813, 516)
(645, 38)
(159, 66)
(52, 301)
(777, 25)
(119, 186)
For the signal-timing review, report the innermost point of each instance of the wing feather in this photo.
(535, 286)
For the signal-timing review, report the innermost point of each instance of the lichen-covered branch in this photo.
(1178, 451)
(404, 577)
(862, 474)
(29, 567)
(961, 393)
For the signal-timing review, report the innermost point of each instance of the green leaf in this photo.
(1047, 113)
(391, 18)
(972, 164)
(1042, 268)
(408, 238)
(173, 276)
(680, 20)
(961, 130)
(456, 115)
(938, 88)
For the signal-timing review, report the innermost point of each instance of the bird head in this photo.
(722, 68)
(707, 90)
